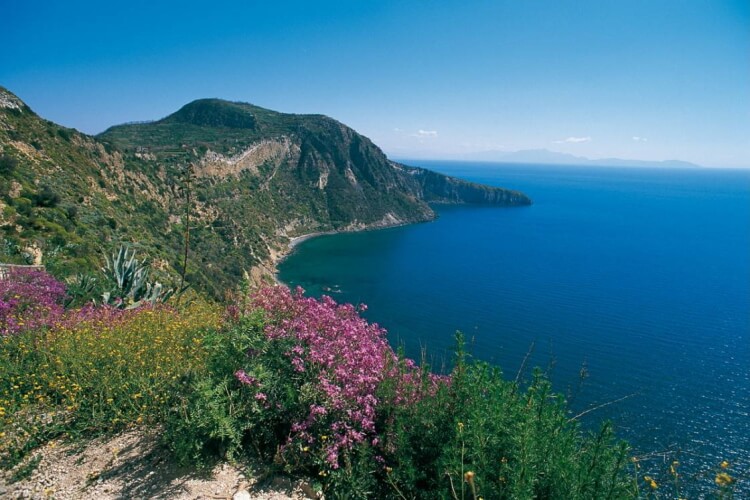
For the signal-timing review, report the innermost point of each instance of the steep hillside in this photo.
(65, 197)
(255, 177)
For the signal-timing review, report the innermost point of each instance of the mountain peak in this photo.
(214, 113)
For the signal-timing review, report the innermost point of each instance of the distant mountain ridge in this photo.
(545, 156)
(256, 178)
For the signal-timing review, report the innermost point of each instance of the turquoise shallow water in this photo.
(641, 276)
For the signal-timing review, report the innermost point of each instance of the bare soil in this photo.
(132, 465)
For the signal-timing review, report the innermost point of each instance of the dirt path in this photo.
(131, 465)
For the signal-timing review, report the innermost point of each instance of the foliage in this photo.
(8, 164)
(214, 418)
(129, 277)
(511, 443)
(82, 288)
(12, 253)
(29, 299)
(98, 369)
(46, 197)
(315, 387)
(312, 387)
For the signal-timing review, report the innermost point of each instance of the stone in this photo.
(241, 495)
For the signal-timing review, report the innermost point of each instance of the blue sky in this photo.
(642, 79)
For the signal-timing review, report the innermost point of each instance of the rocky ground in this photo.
(131, 465)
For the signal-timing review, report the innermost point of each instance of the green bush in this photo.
(468, 435)
(510, 443)
(214, 415)
(8, 164)
(46, 197)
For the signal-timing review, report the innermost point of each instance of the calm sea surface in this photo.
(639, 277)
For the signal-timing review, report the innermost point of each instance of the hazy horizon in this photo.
(632, 80)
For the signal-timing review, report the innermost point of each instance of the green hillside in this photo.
(257, 178)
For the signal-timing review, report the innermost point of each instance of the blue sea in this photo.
(621, 282)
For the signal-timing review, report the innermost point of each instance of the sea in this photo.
(629, 287)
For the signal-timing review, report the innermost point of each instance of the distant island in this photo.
(547, 157)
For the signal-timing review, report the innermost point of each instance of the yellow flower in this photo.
(724, 464)
(723, 479)
(653, 484)
(460, 427)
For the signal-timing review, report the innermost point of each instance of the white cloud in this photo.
(425, 133)
(574, 140)
(639, 139)
(397, 130)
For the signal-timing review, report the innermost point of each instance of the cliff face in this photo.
(256, 178)
(438, 188)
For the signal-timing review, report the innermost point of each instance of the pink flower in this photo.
(345, 361)
(245, 378)
(29, 299)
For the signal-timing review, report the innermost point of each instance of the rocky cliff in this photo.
(255, 177)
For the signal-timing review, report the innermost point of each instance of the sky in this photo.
(637, 79)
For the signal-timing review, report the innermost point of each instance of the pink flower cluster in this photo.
(29, 298)
(345, 357)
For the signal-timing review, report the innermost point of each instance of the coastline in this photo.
(296, 240)
(276, 258)
(270, 270)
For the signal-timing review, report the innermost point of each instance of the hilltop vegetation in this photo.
(255, 178)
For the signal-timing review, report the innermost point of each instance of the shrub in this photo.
(481, 435)
(213, 417)
(340, 361)
(312, 385)
(64, 134)
(46, 197)
(71, 212)
(82, 288)
(8, 164)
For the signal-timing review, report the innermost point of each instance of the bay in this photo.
(622, 283)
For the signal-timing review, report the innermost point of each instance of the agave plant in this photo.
(130, 278)
(81, 289)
